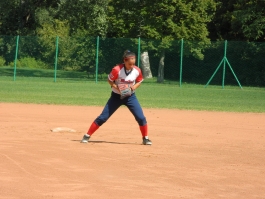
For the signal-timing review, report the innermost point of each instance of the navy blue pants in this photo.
(115, 102)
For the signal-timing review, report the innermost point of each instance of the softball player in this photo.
(121, 74)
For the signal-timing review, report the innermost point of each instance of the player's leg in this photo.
(134, 106)
(112, 105)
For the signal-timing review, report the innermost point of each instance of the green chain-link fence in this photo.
(175, 62)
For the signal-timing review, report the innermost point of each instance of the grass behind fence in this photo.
(150, 95)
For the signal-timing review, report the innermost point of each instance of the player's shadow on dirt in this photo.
(106, 142)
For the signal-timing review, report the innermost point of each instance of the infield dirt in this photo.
(195, 154)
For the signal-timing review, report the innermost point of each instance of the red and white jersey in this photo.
(119, 75)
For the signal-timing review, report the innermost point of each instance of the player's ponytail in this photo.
(128, 53)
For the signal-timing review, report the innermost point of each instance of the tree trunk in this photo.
(145, 65)
(160, 76)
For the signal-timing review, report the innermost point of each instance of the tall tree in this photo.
(238, 20)
(220, 26)
(87, 15)
(248, 20)
(19, 16)
(165, 20)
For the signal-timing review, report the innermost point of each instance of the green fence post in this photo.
(223, 62)
(181, 62)
(234, 73)
(56, 57)
(97, 59)
(214, 73)
(15, 61)
(223, 80)
(139, 52)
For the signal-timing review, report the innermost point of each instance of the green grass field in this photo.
(150, 94)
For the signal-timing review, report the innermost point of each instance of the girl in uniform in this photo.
(126, 73)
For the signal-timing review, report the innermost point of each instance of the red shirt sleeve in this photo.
(140, 76)
(114, 73)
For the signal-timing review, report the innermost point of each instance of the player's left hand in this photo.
(125, 90)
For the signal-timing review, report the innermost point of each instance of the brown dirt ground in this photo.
(195, 154)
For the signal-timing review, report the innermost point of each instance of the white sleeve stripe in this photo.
(110, 79)
(140, 81)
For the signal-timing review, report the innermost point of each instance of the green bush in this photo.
(29, 62)
(2, 61)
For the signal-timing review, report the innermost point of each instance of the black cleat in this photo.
(85, 139)
(146, 141)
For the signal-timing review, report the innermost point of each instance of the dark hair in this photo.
(128, 53)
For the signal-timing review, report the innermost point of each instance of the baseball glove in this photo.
(125, 90)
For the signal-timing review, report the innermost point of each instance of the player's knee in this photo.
(100, 120)
(141, 121)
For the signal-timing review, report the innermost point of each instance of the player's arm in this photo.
(112, 84)
(135, 86)
(138, 80)
(112, 77)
